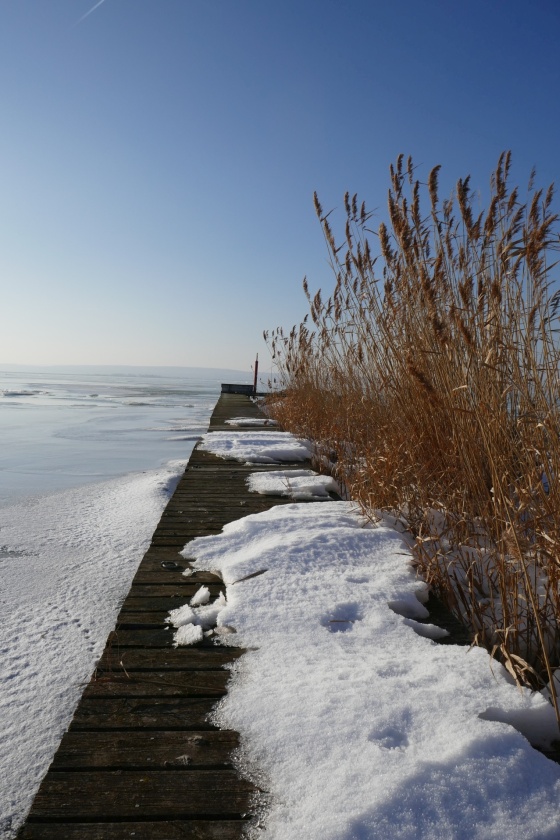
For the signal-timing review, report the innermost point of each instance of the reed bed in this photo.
(429, 379)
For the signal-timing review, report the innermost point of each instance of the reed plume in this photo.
(431, 381)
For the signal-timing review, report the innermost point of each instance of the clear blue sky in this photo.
(158, 157)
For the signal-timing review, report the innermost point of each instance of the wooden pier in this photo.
(140, 759)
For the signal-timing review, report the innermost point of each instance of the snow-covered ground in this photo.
(66, 562)
(356, 723)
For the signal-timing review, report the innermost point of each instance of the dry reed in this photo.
(430, 378)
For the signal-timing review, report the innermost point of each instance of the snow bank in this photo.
(297, 484)
(358, 726)
(257, 447)
(66, 562)
(251, 421)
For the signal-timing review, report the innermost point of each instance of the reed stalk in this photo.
(429, 378)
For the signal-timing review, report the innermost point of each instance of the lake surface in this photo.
(65, 427)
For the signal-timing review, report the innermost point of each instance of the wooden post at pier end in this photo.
(256, 373)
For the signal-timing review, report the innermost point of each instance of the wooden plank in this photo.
(142, 712)
(128, 794)
(172, 590)
(169, 830)
(210, 510)
(147, 637)
(157, 576)
(142, 619)
(179, 540)
(158, 683)
(117, 750)
(175, 536)
(210, 507)
(161, 605)
(172, 572)
(156, 637)
(153, 604)
(183, 524)
(208, 520)
(180, 525)
(161, 554)
(191, 658)
(162, 537)
(152, 572)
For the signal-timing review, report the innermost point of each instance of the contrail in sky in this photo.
(93, 8)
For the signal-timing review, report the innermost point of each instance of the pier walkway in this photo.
(140, 759)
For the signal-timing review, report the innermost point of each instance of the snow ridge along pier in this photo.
(140, 758)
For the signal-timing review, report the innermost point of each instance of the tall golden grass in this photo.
(430, 377)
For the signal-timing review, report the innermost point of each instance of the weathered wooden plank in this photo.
(153, 604)
(210, 510)
(168, 571)
(157, 576)
(182, 589)
(238, 497)
(148, 637)
(201, 505)
(138, 750)
(180, 525)
(208, 498)
(127, 794)
(142, 712)
(209, 486)
(168, 830)
(152, 572)
(197, 658)
(177, 537)
(174, 536)
(183, 524)
(158, 683)
(142, 619)
(229, 463)
(186, 585)
(212, 513)
(161, 554)
(208, 493)
(155, 637)
(178, 540)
